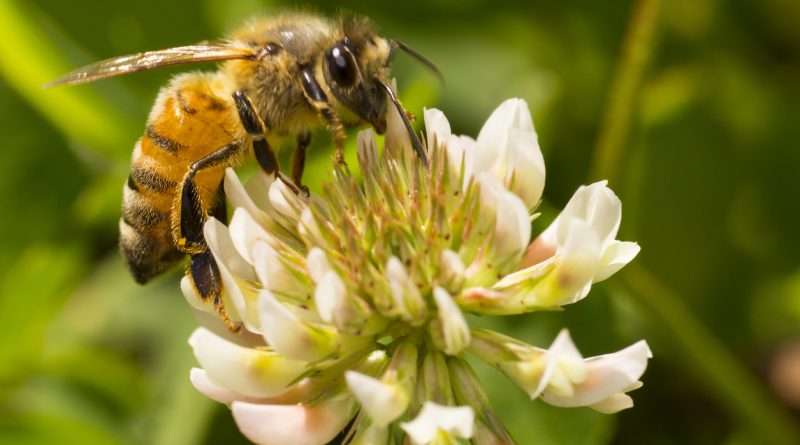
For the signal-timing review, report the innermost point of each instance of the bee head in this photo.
(354, 68)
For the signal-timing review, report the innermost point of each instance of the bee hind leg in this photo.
(207, 280)
(188, 219)
(188, 212)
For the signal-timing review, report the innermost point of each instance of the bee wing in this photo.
(118, 66)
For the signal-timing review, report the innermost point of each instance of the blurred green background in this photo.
(690, 107)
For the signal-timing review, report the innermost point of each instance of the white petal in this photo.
(458, 421)
(314, 424)
(508, 147)
(407, 298)
(615, 257)
(291, 336)
(284, 201)
(595, 204)
(329, 296)
(247, 371)
(460, 154)
(526, 164)
(204, 385)
(317, 264)
(274, 274)
(238, 197)
(221, 245)
(614, 404)
(607, 375)
(245, 232)
(233, 270)
(382, 402)
(367, 147)
(258, 188)
(454, 327)
(453, 270)
(193, 297)
(396, 138)
(512, 225)
(437, 128)
(493, 137)
(562, 351)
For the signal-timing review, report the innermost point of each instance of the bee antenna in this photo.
(418, 57)
(415, 142)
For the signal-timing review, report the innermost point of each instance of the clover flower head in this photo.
(353, 300)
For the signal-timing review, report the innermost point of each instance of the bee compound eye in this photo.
(341, 66)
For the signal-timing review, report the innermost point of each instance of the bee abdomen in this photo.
(147, 253)
(162, 141)
(145, 239)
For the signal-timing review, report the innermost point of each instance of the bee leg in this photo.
(256, 129)
(207, 280)
(188, 213)
(317, 98)
(299, 160)
(188, 220)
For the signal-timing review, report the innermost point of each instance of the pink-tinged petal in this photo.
(606, 375)
(614, 404)
(314, 424)
(538, 251)
(199, 379)
(203, 384)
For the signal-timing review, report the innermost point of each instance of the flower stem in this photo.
(636, 50)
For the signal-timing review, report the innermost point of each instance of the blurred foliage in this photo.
(706, 164)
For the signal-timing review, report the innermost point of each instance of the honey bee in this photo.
(281, 77)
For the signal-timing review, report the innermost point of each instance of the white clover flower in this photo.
(561, 376)
(352, 301)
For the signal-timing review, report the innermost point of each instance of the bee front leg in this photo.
(299, 160)
(256, 129)
(317, 98)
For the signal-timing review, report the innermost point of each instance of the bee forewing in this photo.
(118, 66)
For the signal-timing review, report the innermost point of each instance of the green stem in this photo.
(636, 50)
(736, 389)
